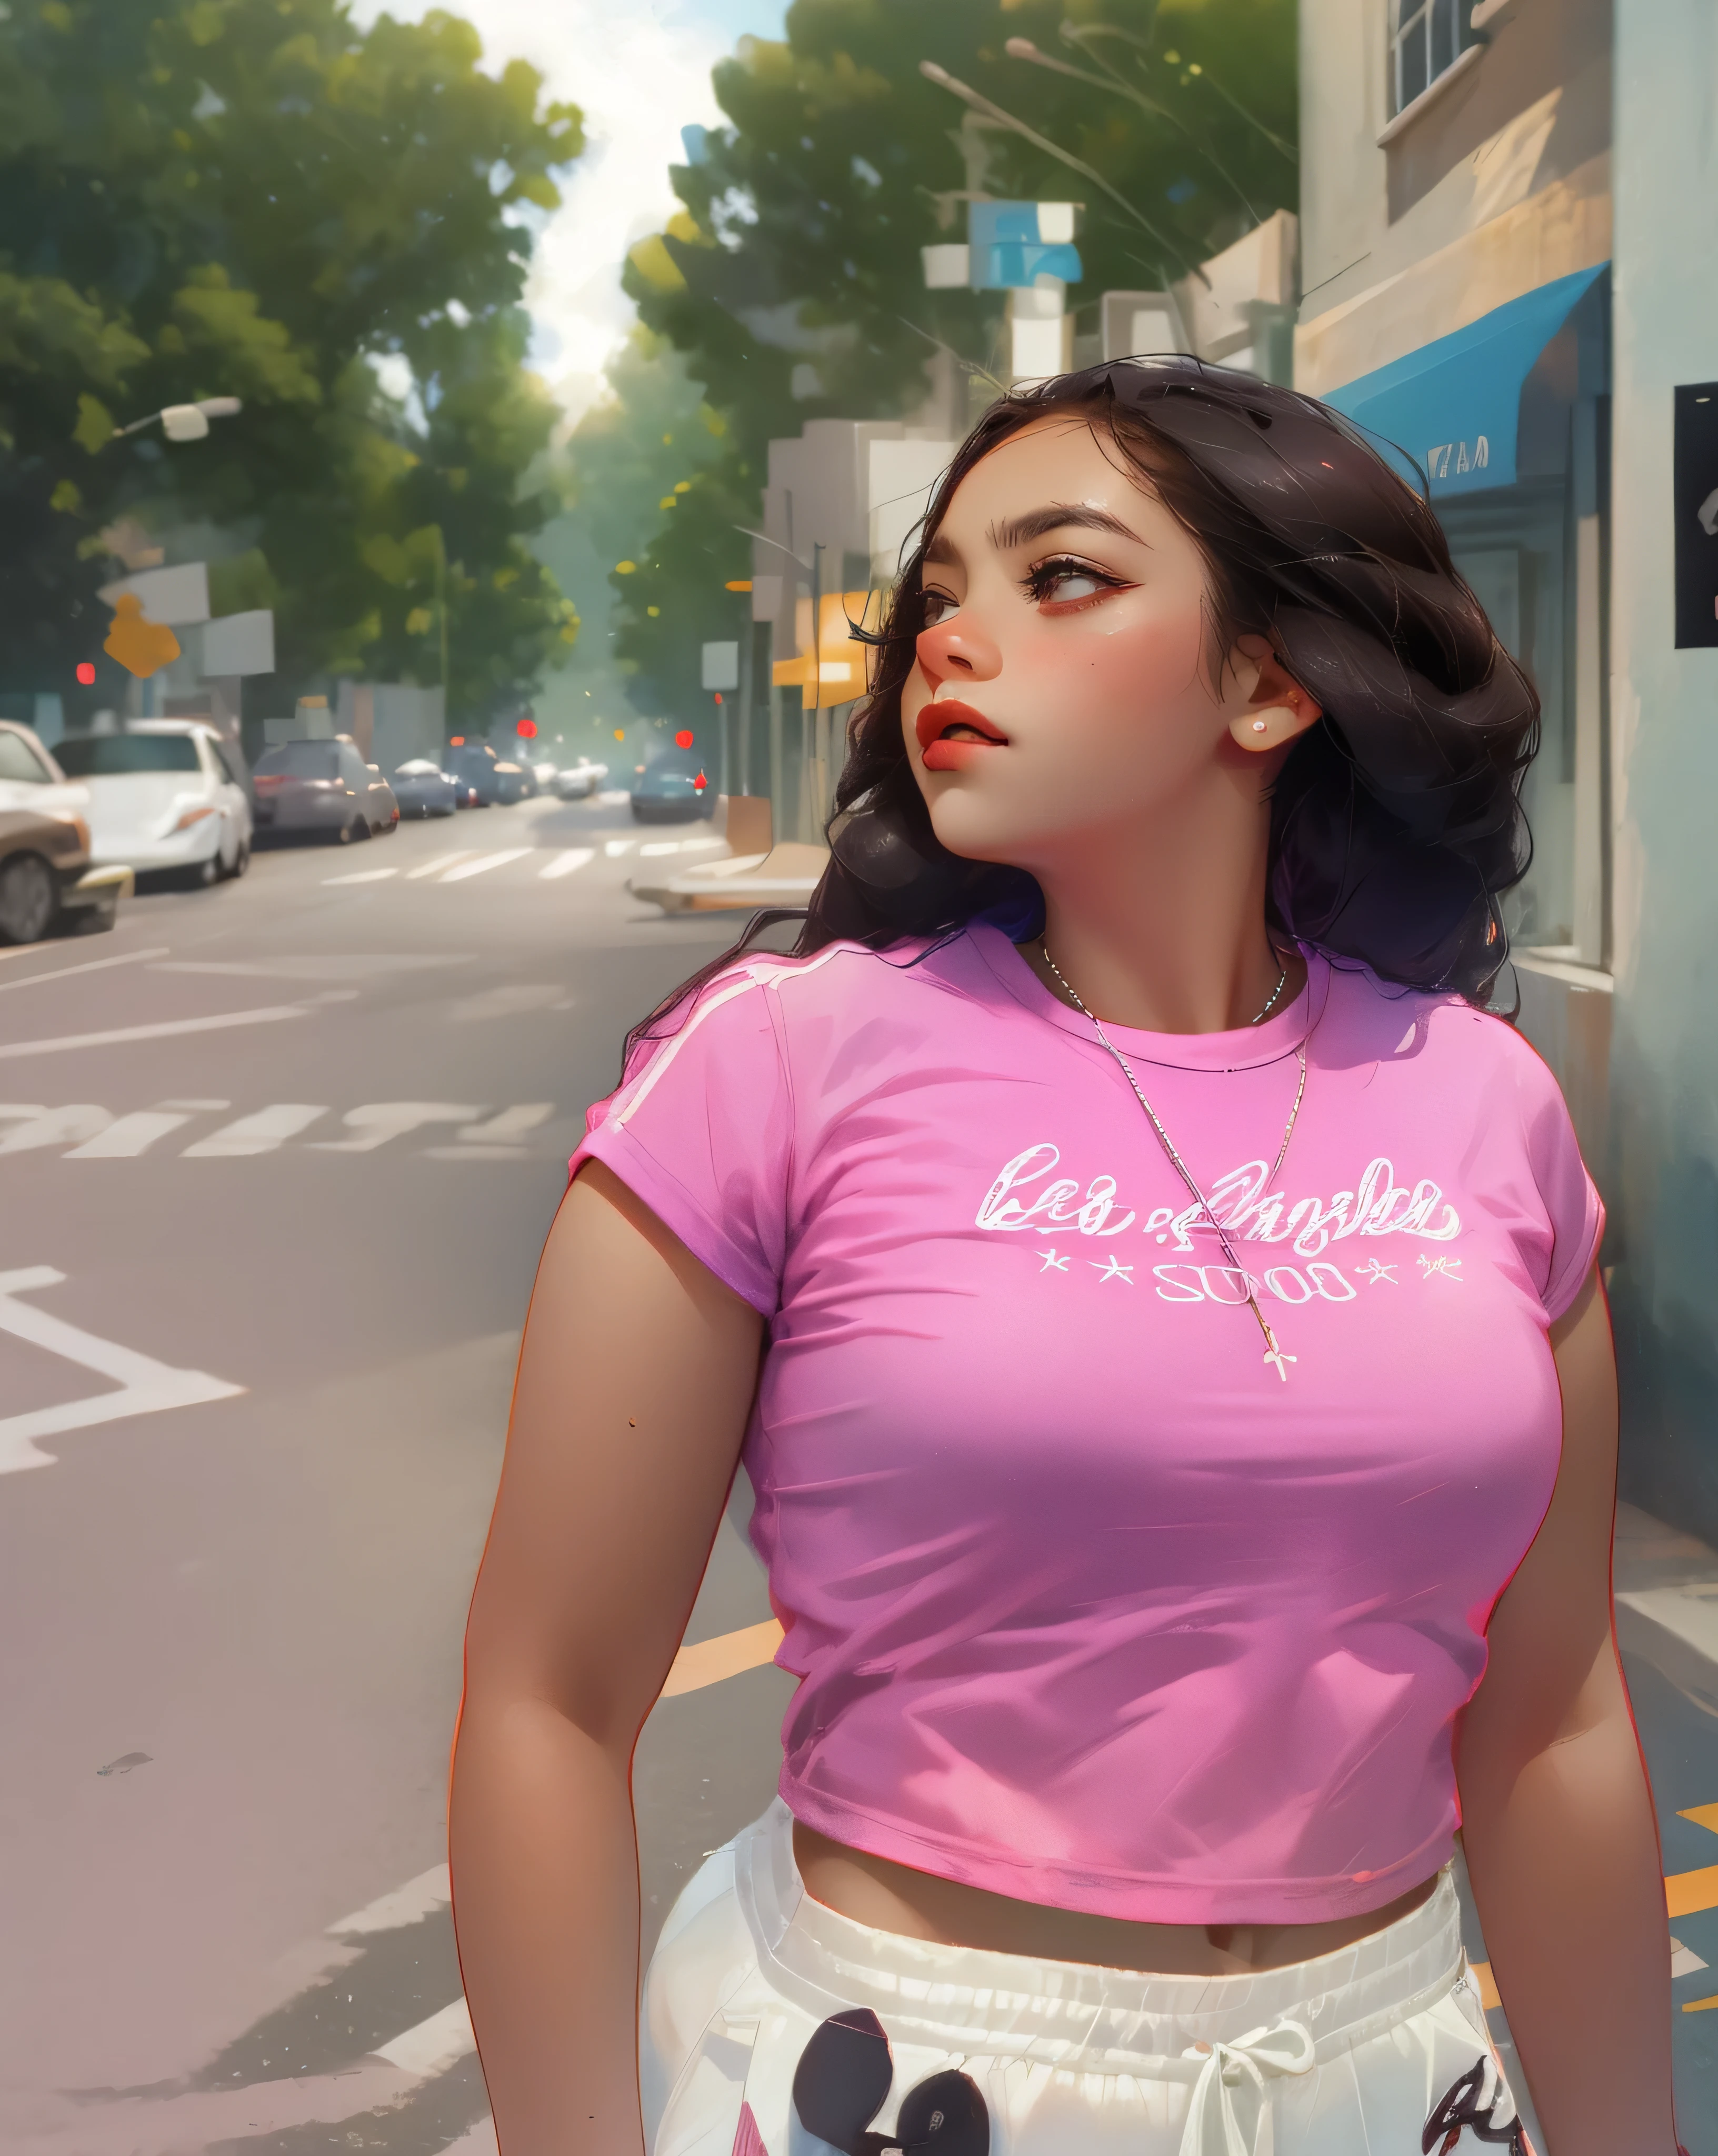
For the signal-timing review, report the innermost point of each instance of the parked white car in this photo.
(166, 794)
(577, 781)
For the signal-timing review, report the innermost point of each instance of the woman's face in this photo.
(1062, 685)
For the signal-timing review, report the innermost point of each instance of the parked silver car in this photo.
(323, 787)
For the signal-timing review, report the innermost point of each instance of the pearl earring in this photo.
(1259, 727)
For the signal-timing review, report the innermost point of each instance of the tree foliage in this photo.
(791, 278)
(253, 197)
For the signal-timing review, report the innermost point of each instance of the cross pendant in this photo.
(1275, 1354)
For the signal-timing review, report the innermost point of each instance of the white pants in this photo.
(1378, 2049)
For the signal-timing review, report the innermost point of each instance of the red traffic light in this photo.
(456, 740)
(526, 729)
(683, 739)
(86, 673)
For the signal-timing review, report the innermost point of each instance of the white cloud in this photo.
(639, 69)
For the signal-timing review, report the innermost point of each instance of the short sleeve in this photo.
(1574, 1213)
(700, 1129)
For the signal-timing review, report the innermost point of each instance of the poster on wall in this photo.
(1696, 513)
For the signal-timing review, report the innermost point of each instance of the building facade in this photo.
(1506, 253)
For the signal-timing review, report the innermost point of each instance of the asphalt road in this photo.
(276, 1161)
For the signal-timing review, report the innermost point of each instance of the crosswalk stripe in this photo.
(614, 848)
(419, 1898)
(432, 2046)
(265, 1132)
(487, 861)
(435, 867)
(128, 1136)
(564, 863)
(362, 875)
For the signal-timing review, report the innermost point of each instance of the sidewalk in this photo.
(1667, 1603)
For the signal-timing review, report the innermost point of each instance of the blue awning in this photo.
(1454, 404)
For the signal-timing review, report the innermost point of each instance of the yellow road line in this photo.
(724, 1656)
(1705, 1816)
(1687, 1892)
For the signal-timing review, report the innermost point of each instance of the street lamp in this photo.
(185, 423)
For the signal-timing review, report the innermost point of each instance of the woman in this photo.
(1159, 1308)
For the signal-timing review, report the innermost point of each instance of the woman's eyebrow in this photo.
(1058, 517)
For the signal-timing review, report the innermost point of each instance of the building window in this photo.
(1425, 37)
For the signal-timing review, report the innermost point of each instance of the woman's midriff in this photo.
(916, 1905)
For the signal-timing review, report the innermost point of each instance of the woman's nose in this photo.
(958, 646)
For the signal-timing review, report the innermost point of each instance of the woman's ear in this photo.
(1277, 710)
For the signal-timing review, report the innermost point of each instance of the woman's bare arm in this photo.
(1558, 1830)
(634, 1383)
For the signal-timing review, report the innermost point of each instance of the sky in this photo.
(639, 69)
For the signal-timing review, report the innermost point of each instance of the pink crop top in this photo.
(1087, 1606)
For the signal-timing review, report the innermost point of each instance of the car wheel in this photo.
(241, 861)
(27, 899)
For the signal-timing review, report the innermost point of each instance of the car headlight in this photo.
(77, 823)
(187, 817)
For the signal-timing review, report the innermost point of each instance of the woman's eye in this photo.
(1059, 582)
(938, 607)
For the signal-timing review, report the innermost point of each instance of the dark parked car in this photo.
(476, 763)
(46, 881)
(423, 788)
(324, 787)
(514, 782)
(673, 789)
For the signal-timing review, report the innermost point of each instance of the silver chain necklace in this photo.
(1273, 1354)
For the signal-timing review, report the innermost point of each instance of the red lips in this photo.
(934, 721)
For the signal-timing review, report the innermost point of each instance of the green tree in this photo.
(650, 441)
(791, 278)
(255, 198)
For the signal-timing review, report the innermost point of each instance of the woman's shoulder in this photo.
(1437, 1032)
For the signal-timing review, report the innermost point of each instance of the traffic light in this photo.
(86, 673)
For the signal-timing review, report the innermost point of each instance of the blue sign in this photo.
(1008, 251)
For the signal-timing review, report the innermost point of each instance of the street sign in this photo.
(175, 597)
(721, 666)
(240, 643)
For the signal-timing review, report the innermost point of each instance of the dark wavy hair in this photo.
(1396, 820)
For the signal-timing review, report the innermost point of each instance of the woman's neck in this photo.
(1166, 931)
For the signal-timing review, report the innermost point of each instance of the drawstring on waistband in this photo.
(1213, 2128)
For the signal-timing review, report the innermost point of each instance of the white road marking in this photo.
(382, 1120)
(265, 1132)
(510, 1124)
(129, 1137)
(487, 861)
(564, 862)
(162, 1032)
(94, 966)
(432, 2046)
(362, 875)
(1684, 1960)
(331, 966)
(682, 846)
(419, 1898)
(146, 1385)
(493, 1140)
(52, 1126)
(614, 848)
(435, 867)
